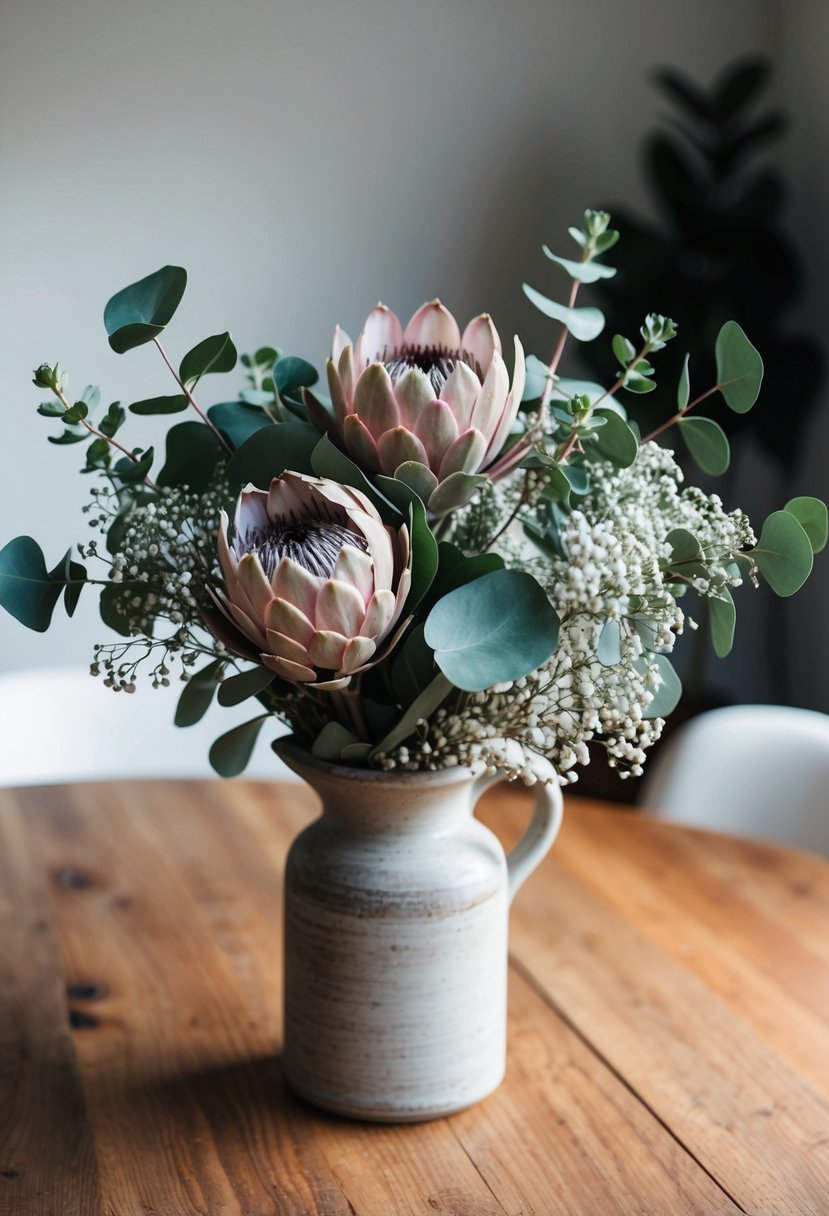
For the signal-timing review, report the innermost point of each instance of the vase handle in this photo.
(541, 832)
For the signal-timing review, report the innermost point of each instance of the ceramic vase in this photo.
(396, 918)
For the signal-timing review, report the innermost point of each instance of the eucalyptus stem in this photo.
(192, 399)
(93, 430)
(680, 414)
(614, 388)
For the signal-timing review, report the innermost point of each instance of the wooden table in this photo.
(669, 1045)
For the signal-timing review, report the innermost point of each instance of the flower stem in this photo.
(93, 430)
(192, 400)
(680, 414)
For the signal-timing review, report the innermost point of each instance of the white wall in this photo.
(300, 162)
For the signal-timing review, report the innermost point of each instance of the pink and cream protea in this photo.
(313, 578)
(426, 403)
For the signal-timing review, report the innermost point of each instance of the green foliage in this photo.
(197, 694)
(28, 591)
(421, 537)
(413, 667)
(238, 421)
(584, 324)
(192, 455)
(336, 744)
(215, 354)
(707, 442)
(422, 707)
(131, 472)
(160, 405)
(739, 368)
(292, 374)
(667, 695)
(582, 272)
(140, 312)
(616, 441)
(231, 752)
(236, 689)
(499, 627)
(271, 450)
(722, 616)
(683, 388)
(116, 611)
(783, 553)
(812, 516)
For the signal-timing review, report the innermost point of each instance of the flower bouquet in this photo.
(442, 565)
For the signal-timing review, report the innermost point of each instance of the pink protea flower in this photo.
(313, 578)
(425, 402)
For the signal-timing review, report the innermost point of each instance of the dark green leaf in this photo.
(197, 694)
(499, 627)
(328, 461)
(455, 491)
(422, 707)
(76, 413)
(214, 354)
(130, 472)
(112, 421)
(683, 389)
(271, 450)
(27, 590)
(811, 514)
(784, 553)
(236, 689)
(231, 752)
(160, 405)
(424, 545)
(584, 324)
(623, 349)
(191, 457)
(740, 86)
(138, 313)
(413, 667)
(237, 421)
(708, 444)
(292, 373)
(616, 442)
(723, 617)
(70, 435)
(455, 570)
(739, 368)
(116, 610)
(51, 409)
(635, 383)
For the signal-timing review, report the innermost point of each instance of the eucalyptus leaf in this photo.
(535, 378)
(811, 514)
(192, 455)
(666, 696)
(139, 313)
(684, 546)
(424, 545)
(214, 354)
(784, 553)
(616, 441)
(292, 373)
(623, 349)
(609, 649)
(51, 409)
(634, 383)
(197, 694)
(455, 491)
(116, 610)
(27, 590)
(160, 405)
(723, 617)
(413, 668)
(422, 707)
(237, 688)
(683, 389)
(584, 324)
(499, 627)
(328, 461)
(130, 472)
(334, 740)
(739, 368)
(231, 752)
(112, 421)
(569, 388)
(237, 421)
(582, 272)
(707, 442)
(272, 449)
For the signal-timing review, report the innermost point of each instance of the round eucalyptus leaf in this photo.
(708, 444)
(499, 627)
(27, 590)
(616, 442)
(584, 324)
(811, 514)
(214, 354)
(292, 373)
(270, 450)
(723, 618)
(739, 368)
(237, 421)
(669, 688)
(191, 456)
(139, 313)
(582, 272)
(783, 553)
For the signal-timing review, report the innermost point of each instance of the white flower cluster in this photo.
(616, 600)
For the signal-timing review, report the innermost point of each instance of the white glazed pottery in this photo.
(396, 910)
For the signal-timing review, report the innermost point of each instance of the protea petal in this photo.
(251, 511)
(339, 399)
(379, 614)
(413, 391)
(493, 395)
(358, 651)
(398, 446)
(374, 400)
(511, 408)
(379, 546)
(437, 430)
(345, 366)
(227, 560)
(433, 325)
(480, 339)
(297, 585)
(341, 341)
(381, 337)
(339, 607)
(464, 455)
(297, 673)
(254, 581)
(326, 649)
(360, 444)
(284, 617)
(249, 627)
(357, 569)
(287, 648)
(460, 392)
(287, 499)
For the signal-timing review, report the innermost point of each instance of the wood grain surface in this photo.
(669, 1023)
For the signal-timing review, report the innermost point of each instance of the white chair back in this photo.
(751, 770)
(60, 724)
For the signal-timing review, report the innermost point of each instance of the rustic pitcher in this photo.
(396, 916)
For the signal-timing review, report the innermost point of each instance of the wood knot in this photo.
(79, 1020)
(75, 880)
(10, 1174)
(86, 992)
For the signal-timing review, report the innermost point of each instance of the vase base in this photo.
(377, 1113)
